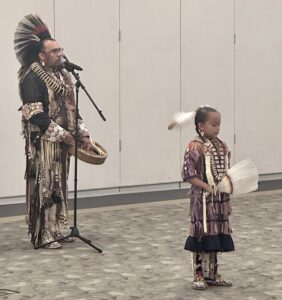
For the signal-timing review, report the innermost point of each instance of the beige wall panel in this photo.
(258, 83)
(12, 158)
(207, 62)
(173, 55)
(150, 80)
(88, 30)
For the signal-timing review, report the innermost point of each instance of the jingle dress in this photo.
(48, 111)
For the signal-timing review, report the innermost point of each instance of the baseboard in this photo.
(16, 209)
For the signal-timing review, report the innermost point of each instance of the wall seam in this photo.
(180, 78)
(119, 89)
(234, 79)
(54, 18)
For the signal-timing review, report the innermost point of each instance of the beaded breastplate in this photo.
(216, 160)
(218, 166)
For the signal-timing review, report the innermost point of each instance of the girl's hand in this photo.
(196, 181)
(209, 189)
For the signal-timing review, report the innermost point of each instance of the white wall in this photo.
(92, 42)
(150, 80)
(172, 55)
(258, 83)
(207, 62)
(12, 158)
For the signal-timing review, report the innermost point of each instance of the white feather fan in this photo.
(240, 179)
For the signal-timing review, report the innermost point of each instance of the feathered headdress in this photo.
(30, 32)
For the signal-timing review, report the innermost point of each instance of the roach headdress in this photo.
(30, 33)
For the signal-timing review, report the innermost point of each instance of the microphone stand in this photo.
(74, 230)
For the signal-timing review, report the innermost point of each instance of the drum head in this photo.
(92, 157)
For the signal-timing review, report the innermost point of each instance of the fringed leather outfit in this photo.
(48, 111)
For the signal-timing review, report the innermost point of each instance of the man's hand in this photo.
(68, 139)
(87, 144)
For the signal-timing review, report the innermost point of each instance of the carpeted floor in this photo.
(143, 256)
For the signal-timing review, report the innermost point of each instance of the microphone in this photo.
(69, 65)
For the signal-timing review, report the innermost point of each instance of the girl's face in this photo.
(211, 127)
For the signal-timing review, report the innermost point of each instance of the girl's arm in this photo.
(200, 183)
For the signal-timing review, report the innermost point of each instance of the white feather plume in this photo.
(243, 176)
(181, 118)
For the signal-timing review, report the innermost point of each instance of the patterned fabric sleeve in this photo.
(35, 108)
(190, 165)
(54, 133)
(35, 101)
(31, 109)
(193, 162)
(82, 129)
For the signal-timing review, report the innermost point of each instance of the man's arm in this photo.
(35, 109)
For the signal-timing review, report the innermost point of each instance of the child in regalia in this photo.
(206, 161)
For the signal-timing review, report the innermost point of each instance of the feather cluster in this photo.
(181, 118)
(30, 32)
(242, 178)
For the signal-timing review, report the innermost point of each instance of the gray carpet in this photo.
(143, 256)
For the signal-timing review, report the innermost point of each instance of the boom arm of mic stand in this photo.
(79, 83)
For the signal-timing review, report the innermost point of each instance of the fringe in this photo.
(47, 196)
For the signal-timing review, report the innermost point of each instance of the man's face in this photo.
(51, 54)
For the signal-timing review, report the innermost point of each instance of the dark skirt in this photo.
(210, 243)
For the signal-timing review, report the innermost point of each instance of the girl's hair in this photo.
(202, 116)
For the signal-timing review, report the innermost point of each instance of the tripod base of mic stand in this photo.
(74, 233)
